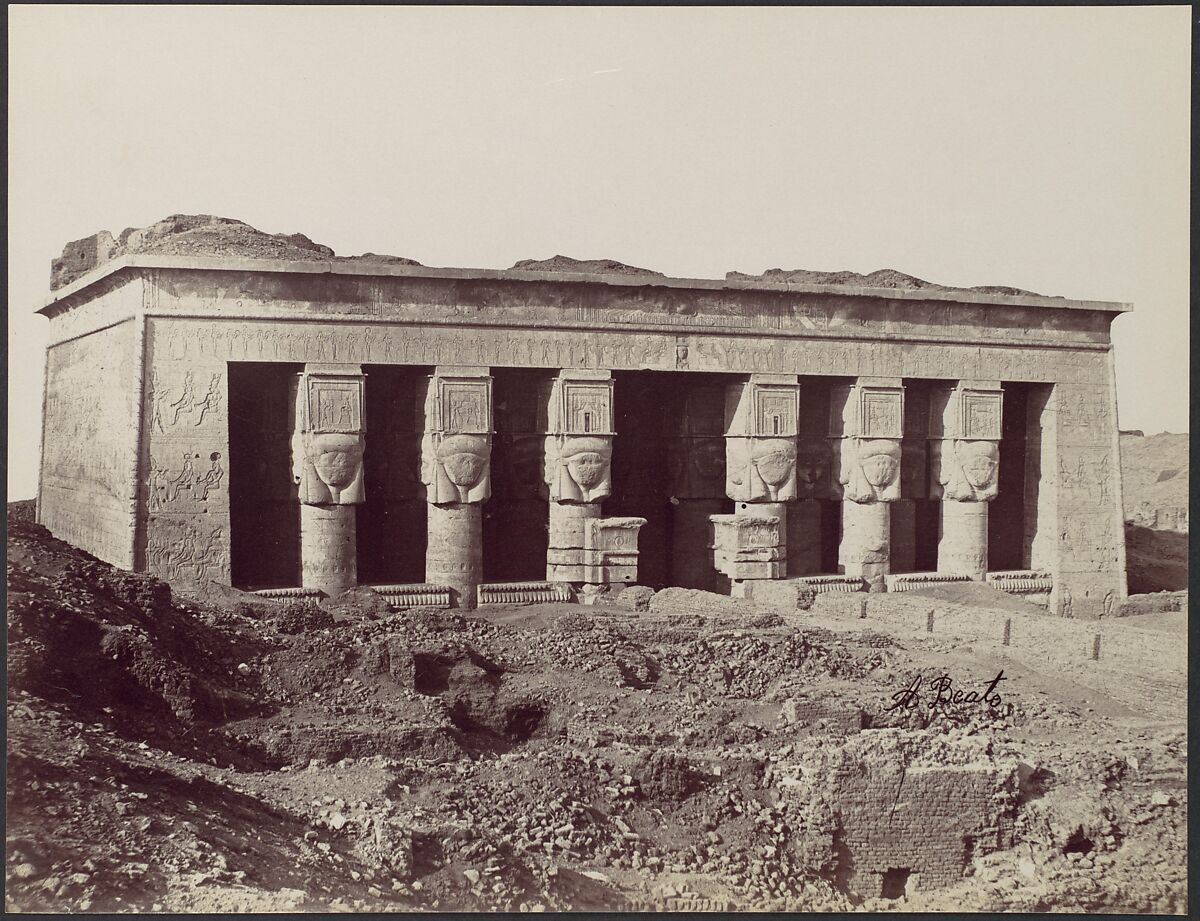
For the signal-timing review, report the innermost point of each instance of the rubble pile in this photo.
(230, 753)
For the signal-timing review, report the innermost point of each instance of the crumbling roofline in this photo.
(244, 264)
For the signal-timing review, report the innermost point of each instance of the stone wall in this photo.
(89, 431)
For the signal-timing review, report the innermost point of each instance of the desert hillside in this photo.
(1154, 480)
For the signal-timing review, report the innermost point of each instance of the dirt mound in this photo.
(881, 278)
(196, 235)
(1155, 480)
(582, 266)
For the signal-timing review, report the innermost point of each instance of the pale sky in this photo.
(1044, 148)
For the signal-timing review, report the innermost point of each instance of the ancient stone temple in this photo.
(226, 405)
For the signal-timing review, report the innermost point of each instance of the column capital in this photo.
(964, 430)
(761, 419)
(328, 433)
(456, 447)
(576, 413)
(866, 424)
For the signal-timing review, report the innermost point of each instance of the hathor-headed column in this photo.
(696, 458)
(866, 425)
(584, 548)
(964, 453)
(760, 477)
(456, 451)
(327, 465)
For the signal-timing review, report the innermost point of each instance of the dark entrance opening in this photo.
(1006, 517)
(516, 517)
(391, 523)
(920, 516)
(814, 423)
(895, 883)
(667, 453)
(264, 511)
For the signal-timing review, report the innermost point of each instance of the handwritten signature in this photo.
(942, 695)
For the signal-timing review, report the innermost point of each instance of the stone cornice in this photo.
(78, 290)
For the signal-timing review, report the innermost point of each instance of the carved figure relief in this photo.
(182, 552)
(188, 490)
(167, 413)
(578, 468)
(870, 469)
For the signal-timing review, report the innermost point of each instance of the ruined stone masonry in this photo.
(264, 414)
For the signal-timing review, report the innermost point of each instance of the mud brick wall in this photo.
(927, 820)
(924, 806)
(89, 435)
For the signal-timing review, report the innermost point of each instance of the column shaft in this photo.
(564, 554)
(454, 553)
(804, 538)
(328, 548)
(865, 550)
(904, 535)
(962, 544)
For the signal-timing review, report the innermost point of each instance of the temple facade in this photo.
(460, 436)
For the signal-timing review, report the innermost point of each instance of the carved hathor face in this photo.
(813, 459)
(980, 460)
(880, 462)
(775, 460)
(465, 459)
(336, 458)
(708, 457)
(587, 460)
